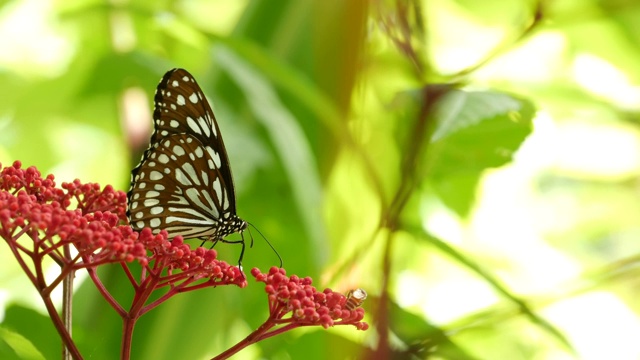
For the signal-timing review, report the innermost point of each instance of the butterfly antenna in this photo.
(250, 235)
(265, 239)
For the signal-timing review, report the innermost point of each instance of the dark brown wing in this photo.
(182, 108)
(183, 183)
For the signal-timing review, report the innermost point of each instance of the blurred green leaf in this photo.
(474, 131)
(521, 304)
(41, 339)
(15, 346)
(421, 338)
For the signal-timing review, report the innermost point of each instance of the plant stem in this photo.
(250, 339)
(143, 292)
(67, 305)
(59, 325)
(128, 324)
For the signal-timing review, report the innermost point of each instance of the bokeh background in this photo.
(473, 165)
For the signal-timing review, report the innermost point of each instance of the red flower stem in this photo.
(23, 265)
(39, 282)
(143, 292)
(127, 272)
(280, 330)
(105, 293)
(131, 317)
(14, 243)
(180, 288)
(64, 272)
(128, 323)
(171, 280)
(163, 298)
(209, 283)
(59, 325)
(250, 339)
(53, 250)
(37, 264)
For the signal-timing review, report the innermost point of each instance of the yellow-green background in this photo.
(481, 257)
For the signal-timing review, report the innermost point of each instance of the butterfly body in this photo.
(183, 183)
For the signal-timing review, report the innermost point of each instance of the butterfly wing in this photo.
(175, 190)
(182, 108)
(183, 183)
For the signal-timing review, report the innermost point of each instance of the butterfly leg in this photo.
(214, 242)
(241, 251)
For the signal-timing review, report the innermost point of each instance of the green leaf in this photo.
(420, 337)
(290, 142)
(35, 327)
(521, 304)
(474, 131)
(16, 346)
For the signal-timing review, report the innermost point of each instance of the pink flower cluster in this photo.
(33, 206)
(296, 296)
(196, 263)
(90, 219)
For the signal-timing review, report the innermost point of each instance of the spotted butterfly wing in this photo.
(183, 183)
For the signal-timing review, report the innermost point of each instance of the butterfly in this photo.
(183, 183)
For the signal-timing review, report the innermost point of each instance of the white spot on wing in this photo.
(195, 197)
(163, 158)
(155, 176)
(204, 125)
(180, 100)
(217, 188)
(182, 178)
(214, 156)
(188, 168)
(205, 178)
(198, 152)
(225, 204)
(151, 202)
(213, 126)
(193, 125)
(178, 150)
